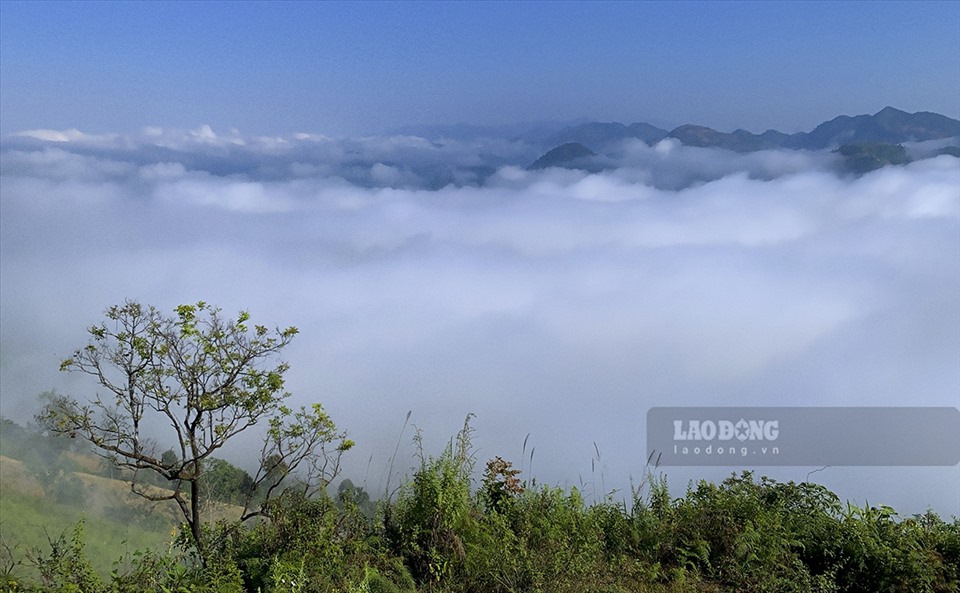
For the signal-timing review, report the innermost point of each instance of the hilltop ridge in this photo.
(888, 126)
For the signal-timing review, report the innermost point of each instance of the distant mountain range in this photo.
(863, 139)
(887, 126)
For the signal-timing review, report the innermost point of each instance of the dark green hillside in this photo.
(571, 155)
(738, 141)
(863, 158)
(950, 150)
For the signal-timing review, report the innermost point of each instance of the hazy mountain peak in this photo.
(566, 155)
(890, 111)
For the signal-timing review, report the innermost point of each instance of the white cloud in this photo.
(71, 135)
(205, 134)
(554, 302)
(56, 163)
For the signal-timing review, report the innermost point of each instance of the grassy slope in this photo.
(116, 522)
(26, 522)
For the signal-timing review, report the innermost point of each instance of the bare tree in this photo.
(204, 380)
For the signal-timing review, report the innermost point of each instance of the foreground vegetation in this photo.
(446, 531)
(206, 378)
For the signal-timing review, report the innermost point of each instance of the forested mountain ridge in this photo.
(888, 126)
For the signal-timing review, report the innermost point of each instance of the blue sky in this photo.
(365, 67)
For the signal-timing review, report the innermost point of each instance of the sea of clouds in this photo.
(439, 276)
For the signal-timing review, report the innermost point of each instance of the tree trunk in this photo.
(196, 526)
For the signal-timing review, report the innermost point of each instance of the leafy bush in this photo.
(427, 524)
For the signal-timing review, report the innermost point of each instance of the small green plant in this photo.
(10, 566)
(66, 568)
(287, 577)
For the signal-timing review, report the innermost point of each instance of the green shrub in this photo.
(427, 523)
(66, 568)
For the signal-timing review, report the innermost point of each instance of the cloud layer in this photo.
(442, 277)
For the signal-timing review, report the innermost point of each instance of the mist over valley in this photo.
(450, 276)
